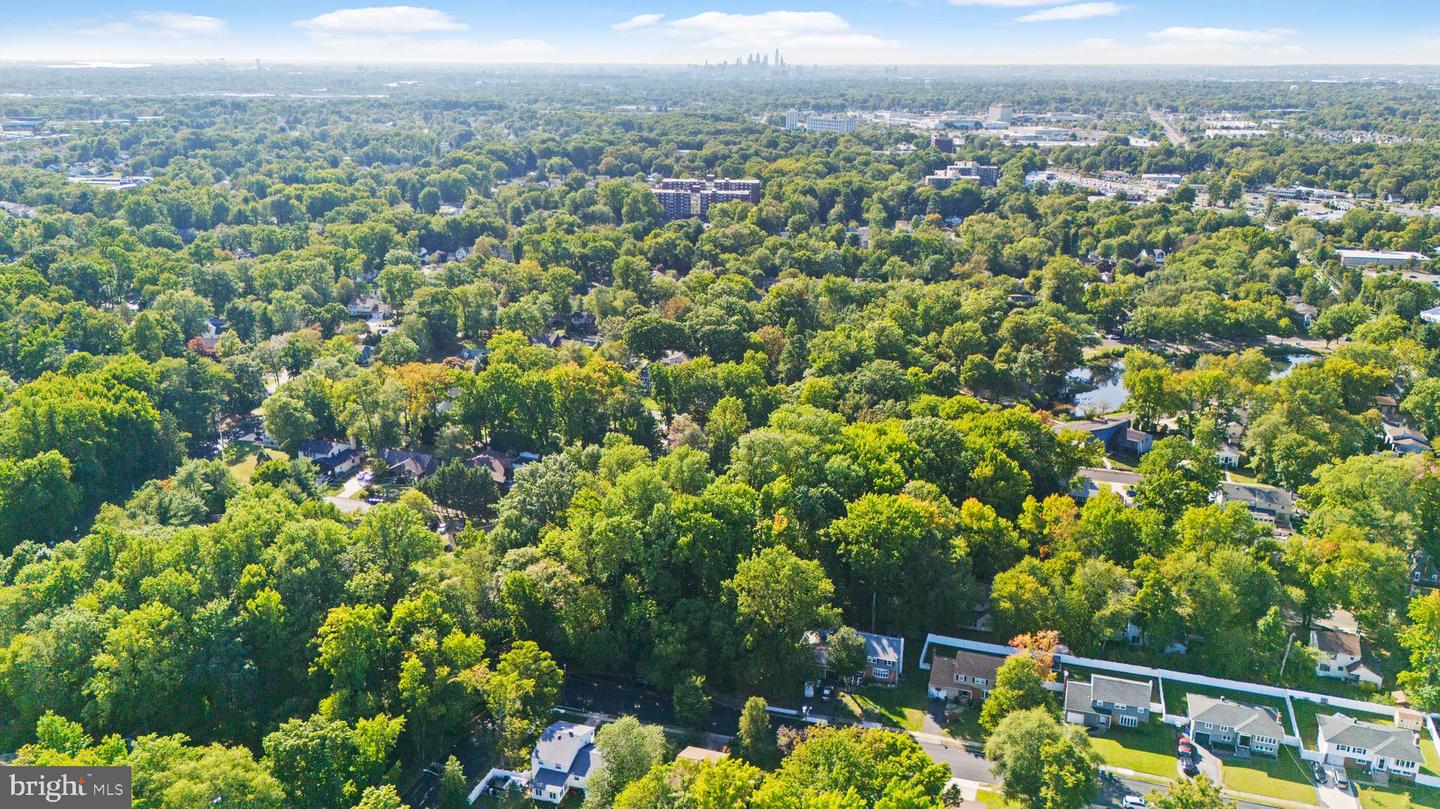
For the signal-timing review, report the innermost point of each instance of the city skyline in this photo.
(937, 32)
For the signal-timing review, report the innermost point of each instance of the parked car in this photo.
(1188, 766)
(1320, 776)
(1341, 780)
(826, 693)
(1134, 802)
(809, 690)
(1184, 748)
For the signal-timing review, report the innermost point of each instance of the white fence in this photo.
(1161, 675)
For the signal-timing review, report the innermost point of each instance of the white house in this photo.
(1339, 656)
(1378, 748)
(563, 759)
(1228, 455)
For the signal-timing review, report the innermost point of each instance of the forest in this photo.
(844, 406)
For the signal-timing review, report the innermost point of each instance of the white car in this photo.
(1134, 802)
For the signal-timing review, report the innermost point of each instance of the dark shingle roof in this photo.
(1387, 741)
(1223, 712)
(1117, 691)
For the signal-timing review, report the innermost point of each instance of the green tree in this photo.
(778, 598)
(846, 652)
(1019, 686)
(690, 701)
(755, 739)
(1043, 764)
(628, 750)
(454, 790)
(520, 693)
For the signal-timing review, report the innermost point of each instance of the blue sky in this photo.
(664, 32)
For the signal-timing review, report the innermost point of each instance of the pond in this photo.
(1284, 365)
(1096, 389)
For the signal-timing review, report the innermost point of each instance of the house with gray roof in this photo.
(1233, 725)
(1381, 749)
(1265, 503)
(884, 656)
(1107, 700)
(563, 759)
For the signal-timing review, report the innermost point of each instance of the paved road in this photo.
(962, 763)
(619, 696)
(1168, 124)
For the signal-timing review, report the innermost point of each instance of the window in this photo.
(1128, 721)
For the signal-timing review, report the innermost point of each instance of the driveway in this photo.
(1209, 763)
(1333, 797)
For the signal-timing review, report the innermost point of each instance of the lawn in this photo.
(1284, 777)
(1175, 692)
(1402, 797)
(246, 457)
(1307, 715)
(902, 706)
(994, 800)
(1147, 749)
(966, 725)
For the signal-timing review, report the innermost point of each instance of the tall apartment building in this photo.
(964, 170)
(684, 198)
(943, 143)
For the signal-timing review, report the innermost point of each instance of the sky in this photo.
(882, 32)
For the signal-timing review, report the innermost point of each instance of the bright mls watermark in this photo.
(65, 787)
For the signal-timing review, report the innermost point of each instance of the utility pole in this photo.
(1290, 641)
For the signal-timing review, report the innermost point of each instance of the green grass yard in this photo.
(1398, 797)
(1175, 692)
(902, 706)
(1284, 777)
(1148, 749)
(247, 458)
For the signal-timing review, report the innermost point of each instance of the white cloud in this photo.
(1220, 36)
(171, 22)
(1078, 11)
(773, 29)
(158, 25)
(638, 21)
(1006, 3)
(382, 21)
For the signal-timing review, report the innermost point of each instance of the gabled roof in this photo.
(1118, 691)
(1256, 494)
(1333, 643)
(1245, 718)
(971, 664)
(1386, 741)
(884, 647)
(1077, 697)
(566, 744)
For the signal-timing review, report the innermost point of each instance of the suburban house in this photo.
(330, 457)
(499, 465)
(1340, 657)
(562, 760)
(700, 754)
(1107, 700)
(1265, 503)
(966, 677)
(1115, 433)
(1090, 481)
(1233, 724)
(409, 465)
(1228, 455)
(1380, 749)
(884, 656)
(368, 306)
(1404, 440)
